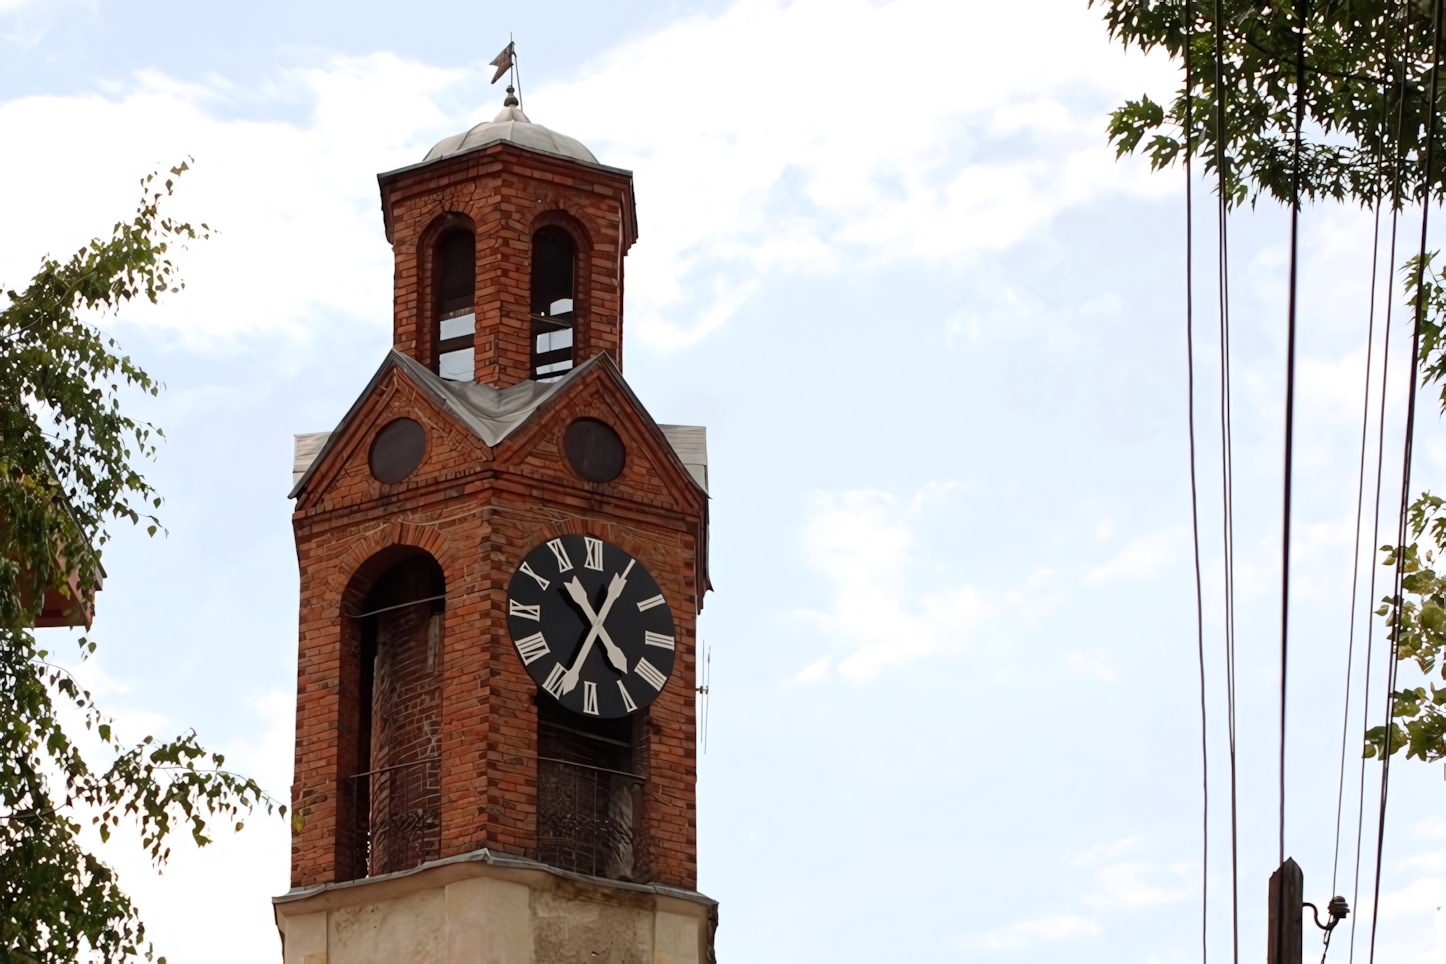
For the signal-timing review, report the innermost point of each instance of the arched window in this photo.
(455, 271)
(553, 290)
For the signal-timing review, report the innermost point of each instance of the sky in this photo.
(936, 332)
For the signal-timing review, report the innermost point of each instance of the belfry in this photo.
(502, 558)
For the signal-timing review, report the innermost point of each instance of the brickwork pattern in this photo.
(478, 512)
(506, 193)
(404, 797)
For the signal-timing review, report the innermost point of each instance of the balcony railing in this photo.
(396, 817)
(586, 818)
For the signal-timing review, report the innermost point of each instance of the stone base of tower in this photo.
(491, 908)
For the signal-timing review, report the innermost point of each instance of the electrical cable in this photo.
(1376, 517)
(1226, 466)
(1194, 477)
(1406, 453)
(1360, 505)
(1302, 15)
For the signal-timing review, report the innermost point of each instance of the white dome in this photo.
(512, 125)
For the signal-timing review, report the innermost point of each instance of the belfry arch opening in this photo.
(554, 294)
(454, 268)
(394, 791)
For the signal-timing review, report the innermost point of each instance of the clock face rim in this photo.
(639, 625)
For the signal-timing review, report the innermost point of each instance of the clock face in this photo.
(591, 625)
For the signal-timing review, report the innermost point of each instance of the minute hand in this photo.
(615, 588)
(579, 596)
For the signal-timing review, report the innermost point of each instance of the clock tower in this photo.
(502, 558)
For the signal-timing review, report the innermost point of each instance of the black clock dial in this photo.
(591, 626)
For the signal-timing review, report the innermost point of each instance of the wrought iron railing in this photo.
(587, 818)
(396, 817)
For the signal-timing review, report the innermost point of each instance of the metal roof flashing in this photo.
(387, 177)
(492, 414)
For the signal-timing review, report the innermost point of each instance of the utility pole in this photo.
(1287, 913)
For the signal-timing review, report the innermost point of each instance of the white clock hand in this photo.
(579, 596)
(615, 588)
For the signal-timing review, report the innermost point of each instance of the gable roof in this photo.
(492, 414)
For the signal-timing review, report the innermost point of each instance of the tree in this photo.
(69, 459)
(1365, 102)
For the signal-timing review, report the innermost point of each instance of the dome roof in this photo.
(512, 125)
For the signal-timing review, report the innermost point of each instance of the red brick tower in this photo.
(502, 557)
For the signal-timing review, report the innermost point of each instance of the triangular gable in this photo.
(600, 379)
(341, 474)
(512, 419)
(493, 415)
(489, 414)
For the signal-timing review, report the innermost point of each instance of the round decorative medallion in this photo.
(397, 450)
(591, 625)
(594, 450)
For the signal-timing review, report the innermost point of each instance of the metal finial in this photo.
(511, 100)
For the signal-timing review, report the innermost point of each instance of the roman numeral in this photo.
(650, 674)
(627, 698)
(540, 581)
(594, 553)
(554, 681)
(515, 608)
(532, 648)
(651, 638)
(563, 562)
(647, 604)
(589, 697)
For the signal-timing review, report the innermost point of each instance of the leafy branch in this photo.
(69, 458)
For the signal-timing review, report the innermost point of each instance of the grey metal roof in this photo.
(691, 444)
(492, 414)
(511, 125)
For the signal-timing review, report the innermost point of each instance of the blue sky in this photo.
(936, 333)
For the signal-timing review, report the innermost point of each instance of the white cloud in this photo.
(1047, 927)
(798, 157)
(1142, 558)
(801, 155)
(1100, 853)
(295, 202)
(1101, 668)
(863, 542)
(1131, 884)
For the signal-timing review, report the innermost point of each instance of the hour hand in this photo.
(579, 595)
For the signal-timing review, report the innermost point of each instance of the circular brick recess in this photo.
(397, 450)
(594, 450)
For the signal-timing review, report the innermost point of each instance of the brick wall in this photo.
(506, 193)
(405, 653)
(477, 512)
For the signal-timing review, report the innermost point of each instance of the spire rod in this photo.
(506, 63)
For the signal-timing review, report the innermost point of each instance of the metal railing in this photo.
(587, 818)
(396, 817)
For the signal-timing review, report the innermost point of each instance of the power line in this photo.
(1226, 467)
(1360, 504)
(1301, 16)
(1406, 450)
(1194, 484)
(1376, 517)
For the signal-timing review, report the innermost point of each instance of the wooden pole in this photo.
(1287, 914)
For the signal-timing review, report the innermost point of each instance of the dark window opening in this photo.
(456, 273)
(553, 290)
(589, 792)
(396, 801)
